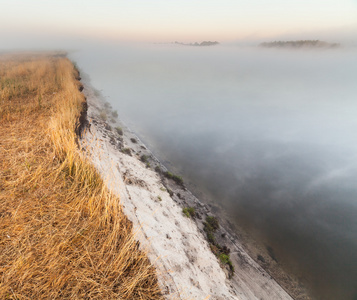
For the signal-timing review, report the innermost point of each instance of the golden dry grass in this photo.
(62, 234)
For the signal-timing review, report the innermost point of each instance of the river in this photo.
(268, 135)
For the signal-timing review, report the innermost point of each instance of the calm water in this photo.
(269, 135)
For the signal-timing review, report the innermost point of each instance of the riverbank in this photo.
(63, 235)
(154, 202)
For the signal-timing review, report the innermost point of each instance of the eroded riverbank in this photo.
(176, 244)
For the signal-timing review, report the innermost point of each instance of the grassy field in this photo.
(62, 234)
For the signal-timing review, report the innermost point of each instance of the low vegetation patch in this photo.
(189, 212)
(107, 106)
(211, 224)
(176, 178)
(171, 193)
(115, 114)
(63, 235)
(119, 130)
(103, 115)
(222, 252)
(126, 151)
(144, 158)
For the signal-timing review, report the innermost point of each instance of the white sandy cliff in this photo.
(187, 268)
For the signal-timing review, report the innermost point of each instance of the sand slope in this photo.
(175, 244)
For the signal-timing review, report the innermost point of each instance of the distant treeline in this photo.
(299, 44)
(204, 43)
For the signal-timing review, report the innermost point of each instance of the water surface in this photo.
(270, 135)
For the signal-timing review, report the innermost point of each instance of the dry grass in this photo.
(62, 234)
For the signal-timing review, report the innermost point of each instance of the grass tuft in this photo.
(119, 130)
(210, 227)
(189, 212)
(176, 178)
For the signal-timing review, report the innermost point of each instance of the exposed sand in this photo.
(176, 245)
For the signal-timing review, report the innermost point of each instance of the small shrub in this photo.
(261, 258)
(96, 93)
(210, 226)
(231, 266)
(103, 115)
(189, 212)
(224, 258)
(119, 130)
(126, 151)
(171, 193)
(226, 250)
(211, 239)
(214, 249)
(158, 169)
(212, 223)
(133, 140)
(271, 253)
(159, 198)
(176, 178)
(114, 114)
(144, 158)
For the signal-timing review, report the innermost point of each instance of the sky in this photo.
(171, 20)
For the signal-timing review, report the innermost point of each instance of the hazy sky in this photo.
(168, 20)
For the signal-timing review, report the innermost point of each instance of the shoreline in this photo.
(201, 275)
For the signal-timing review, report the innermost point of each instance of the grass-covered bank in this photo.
(62, 234)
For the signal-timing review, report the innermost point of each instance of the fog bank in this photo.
(267, 134)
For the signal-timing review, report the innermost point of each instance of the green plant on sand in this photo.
(210, 227)
(189, 212)
(119, 130)
(176, 178)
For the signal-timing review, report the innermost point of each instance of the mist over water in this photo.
(270, 135)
